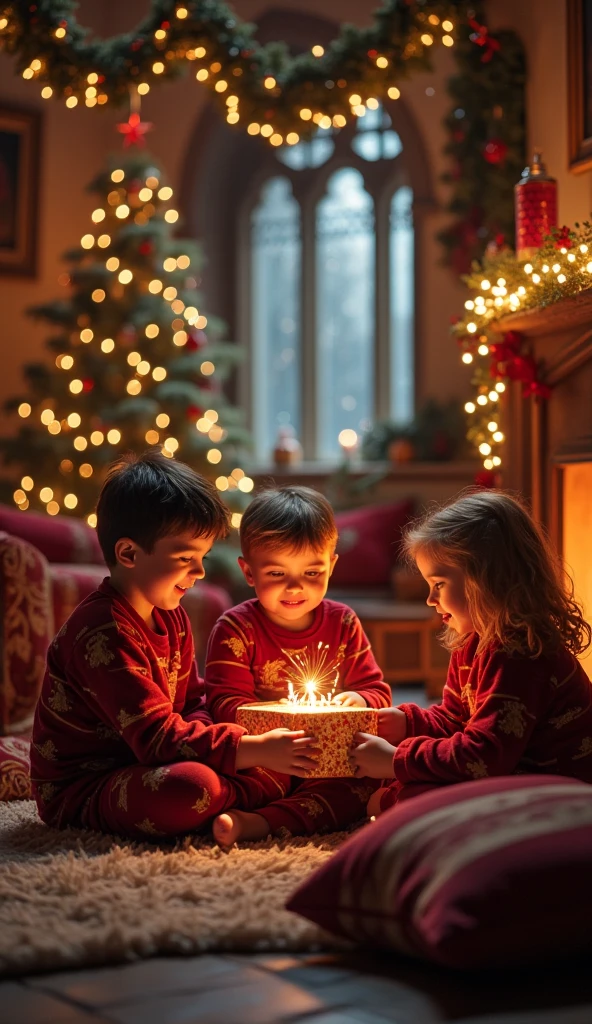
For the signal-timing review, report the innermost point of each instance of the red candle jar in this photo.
(535, 201)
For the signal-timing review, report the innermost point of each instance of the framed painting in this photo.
(20, 132)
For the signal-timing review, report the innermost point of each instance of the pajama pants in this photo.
(183, 797)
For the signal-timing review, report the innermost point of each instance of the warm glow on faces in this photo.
(159, 578)
(447, 592)
(289, 584)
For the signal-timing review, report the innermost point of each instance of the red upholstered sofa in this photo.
(47, 566)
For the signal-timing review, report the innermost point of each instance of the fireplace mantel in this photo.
(545, 436)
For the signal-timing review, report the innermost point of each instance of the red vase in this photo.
(535, 201)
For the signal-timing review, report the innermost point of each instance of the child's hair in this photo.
(150, 496)
(288, 517)
(518, 592)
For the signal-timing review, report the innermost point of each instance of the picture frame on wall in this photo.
(20, 136)
(579, 70)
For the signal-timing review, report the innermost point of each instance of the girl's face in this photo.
(447, 592)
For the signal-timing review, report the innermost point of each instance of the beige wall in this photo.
(542, 26)
(75, 143)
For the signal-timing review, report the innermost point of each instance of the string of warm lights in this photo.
(501, 286)
(272, 94)
(141, 374)
(281, 99)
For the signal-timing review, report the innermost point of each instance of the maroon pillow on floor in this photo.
(490, 873)
(369, 544)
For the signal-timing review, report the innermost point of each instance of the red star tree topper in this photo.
(134, 130)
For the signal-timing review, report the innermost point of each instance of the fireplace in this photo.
(549, 457)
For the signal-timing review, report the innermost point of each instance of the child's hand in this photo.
(372, 757)
(290, 753)
(350, 699)
(392, 725)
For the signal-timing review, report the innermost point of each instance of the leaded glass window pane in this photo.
(402, 300)
(276, 349)
(345, 308)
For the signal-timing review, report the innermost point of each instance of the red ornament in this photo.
(486, 478)
(145, 248)
(535, 201)
(88, 384)
(482, 37)
(134, 131)
(193, 412)
(198, 337)
(495, 151)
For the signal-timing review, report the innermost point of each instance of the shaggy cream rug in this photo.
(74, 898)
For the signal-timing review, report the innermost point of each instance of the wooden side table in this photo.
(403, 638)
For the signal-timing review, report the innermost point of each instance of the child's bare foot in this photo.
(233, 826)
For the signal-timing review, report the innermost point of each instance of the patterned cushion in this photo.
(26, 629)
(481, 874)
(15, 769)
(59, 538)
(70, 584)
(369, 544)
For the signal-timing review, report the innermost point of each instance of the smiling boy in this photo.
(122, 740)
(288, 537)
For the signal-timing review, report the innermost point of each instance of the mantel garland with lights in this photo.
(284, 99)
(503, 285)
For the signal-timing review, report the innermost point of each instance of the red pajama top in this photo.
(116, 693)
(501, 714)
(249, 657)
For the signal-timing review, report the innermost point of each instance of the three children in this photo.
(123, 740)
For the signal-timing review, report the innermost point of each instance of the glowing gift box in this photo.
(332, 726)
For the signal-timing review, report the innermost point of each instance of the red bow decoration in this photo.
(508, 360)
(562, 238)
(134, 131)
(482, 37)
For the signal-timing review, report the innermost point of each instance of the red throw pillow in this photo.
(26, 630)
(59, 538)
(15, 769)
(490, 873)
(369, 544)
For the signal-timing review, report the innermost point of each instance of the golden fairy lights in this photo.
(260, 100)
(82, 434)
(505, 286)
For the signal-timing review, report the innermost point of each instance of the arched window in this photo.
(315, 309)
(312, 253)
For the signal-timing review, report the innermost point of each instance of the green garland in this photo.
(286, 98)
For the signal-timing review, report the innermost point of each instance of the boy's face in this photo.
(159, 578)
(289, 584)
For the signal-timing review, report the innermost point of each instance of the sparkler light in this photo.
(313, 676)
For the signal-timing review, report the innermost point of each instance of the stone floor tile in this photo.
(21, 1005)
(270, 1001)
(105, 986)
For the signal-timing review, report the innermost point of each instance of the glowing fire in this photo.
(313, 677)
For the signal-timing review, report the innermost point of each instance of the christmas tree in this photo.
(131, 365)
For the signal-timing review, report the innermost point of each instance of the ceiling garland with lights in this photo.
(282, 99)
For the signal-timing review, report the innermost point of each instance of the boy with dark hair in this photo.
(288, 537)
(122, 741)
